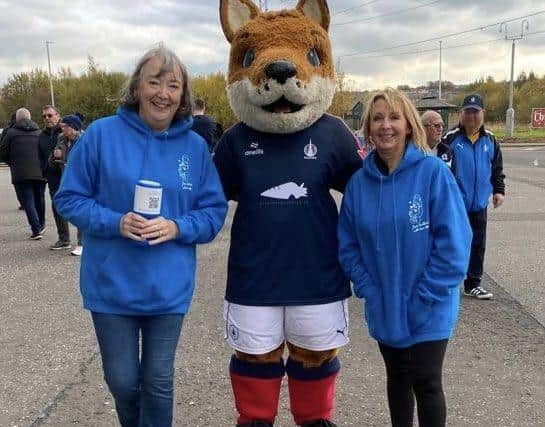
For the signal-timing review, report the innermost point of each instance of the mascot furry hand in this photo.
(284, 283)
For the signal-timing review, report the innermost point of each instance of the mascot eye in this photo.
(248, 58)
(313, 57)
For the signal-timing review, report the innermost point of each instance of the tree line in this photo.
(95, 94)
(528, 93)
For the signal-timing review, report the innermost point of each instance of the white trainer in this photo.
(78, 250)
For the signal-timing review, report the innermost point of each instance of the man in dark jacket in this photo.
(9, 125)
(71, 131)
(205, 126)
(20, 150)
(48, 141)
(475, 159)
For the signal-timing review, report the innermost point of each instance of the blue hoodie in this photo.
(404, 242)
(119, 275)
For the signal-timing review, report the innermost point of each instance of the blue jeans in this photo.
(142, 387)
(31, 196)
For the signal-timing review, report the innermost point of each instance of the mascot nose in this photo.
(280, 71)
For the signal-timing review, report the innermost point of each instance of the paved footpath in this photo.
(50, 373)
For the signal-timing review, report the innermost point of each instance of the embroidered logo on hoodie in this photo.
(184, 165)
(416, 211)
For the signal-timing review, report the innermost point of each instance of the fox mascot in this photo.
(285, 286)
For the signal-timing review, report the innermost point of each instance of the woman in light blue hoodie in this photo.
(142, 187)
(404, 241)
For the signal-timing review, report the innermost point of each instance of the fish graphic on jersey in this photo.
(285, 191)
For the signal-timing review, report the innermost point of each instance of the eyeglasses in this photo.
(436, 126)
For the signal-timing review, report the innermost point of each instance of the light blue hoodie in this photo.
(404, 242)
(118, 275)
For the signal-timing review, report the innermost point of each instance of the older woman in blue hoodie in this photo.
(404, 241)
(142, 187)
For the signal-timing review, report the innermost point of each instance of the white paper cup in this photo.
(147, 198)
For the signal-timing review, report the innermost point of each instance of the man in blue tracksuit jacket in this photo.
(475, 159)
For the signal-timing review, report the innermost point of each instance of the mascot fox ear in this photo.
(316, 10)
(234, 14)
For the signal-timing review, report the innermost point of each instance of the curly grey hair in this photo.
(170, 62)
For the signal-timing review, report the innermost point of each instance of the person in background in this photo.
(476, 161)
(433, 125)
(137, 272)
(404, 243)
(9, 125)
(71, 131)
(205, 126)
(48, 140)
(19, 149)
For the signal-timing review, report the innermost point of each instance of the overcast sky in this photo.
(117, 32)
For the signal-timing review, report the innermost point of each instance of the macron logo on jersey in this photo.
(254, 150)
(286, 191)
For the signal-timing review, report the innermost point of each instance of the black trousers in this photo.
(412, 372)
(477, 220)
(30, 194)
(62, 225)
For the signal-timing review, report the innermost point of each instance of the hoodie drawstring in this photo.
(149, 136)
(378, 215)
(396, 240)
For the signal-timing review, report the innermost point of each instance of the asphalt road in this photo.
(525, 156)
(50, 373)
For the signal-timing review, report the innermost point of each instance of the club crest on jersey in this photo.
(416, 211)
(310, 150)
(253, 149)
(184, 165)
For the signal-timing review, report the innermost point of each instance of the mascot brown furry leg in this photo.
(279, 163)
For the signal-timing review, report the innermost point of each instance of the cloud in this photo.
(117, 32)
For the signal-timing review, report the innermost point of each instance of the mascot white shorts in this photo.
(259, 330)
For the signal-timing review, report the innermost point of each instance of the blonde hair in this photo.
(396, 100)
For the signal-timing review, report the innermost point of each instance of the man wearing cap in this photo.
(71, 131)
(475, 159)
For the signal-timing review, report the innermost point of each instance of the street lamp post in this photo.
(510, 114)
(440, 66)
(47, 43)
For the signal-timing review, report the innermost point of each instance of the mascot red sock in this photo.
(256, 387)
(311, 381)
(312, 390)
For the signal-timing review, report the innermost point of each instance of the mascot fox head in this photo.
(281, 77)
